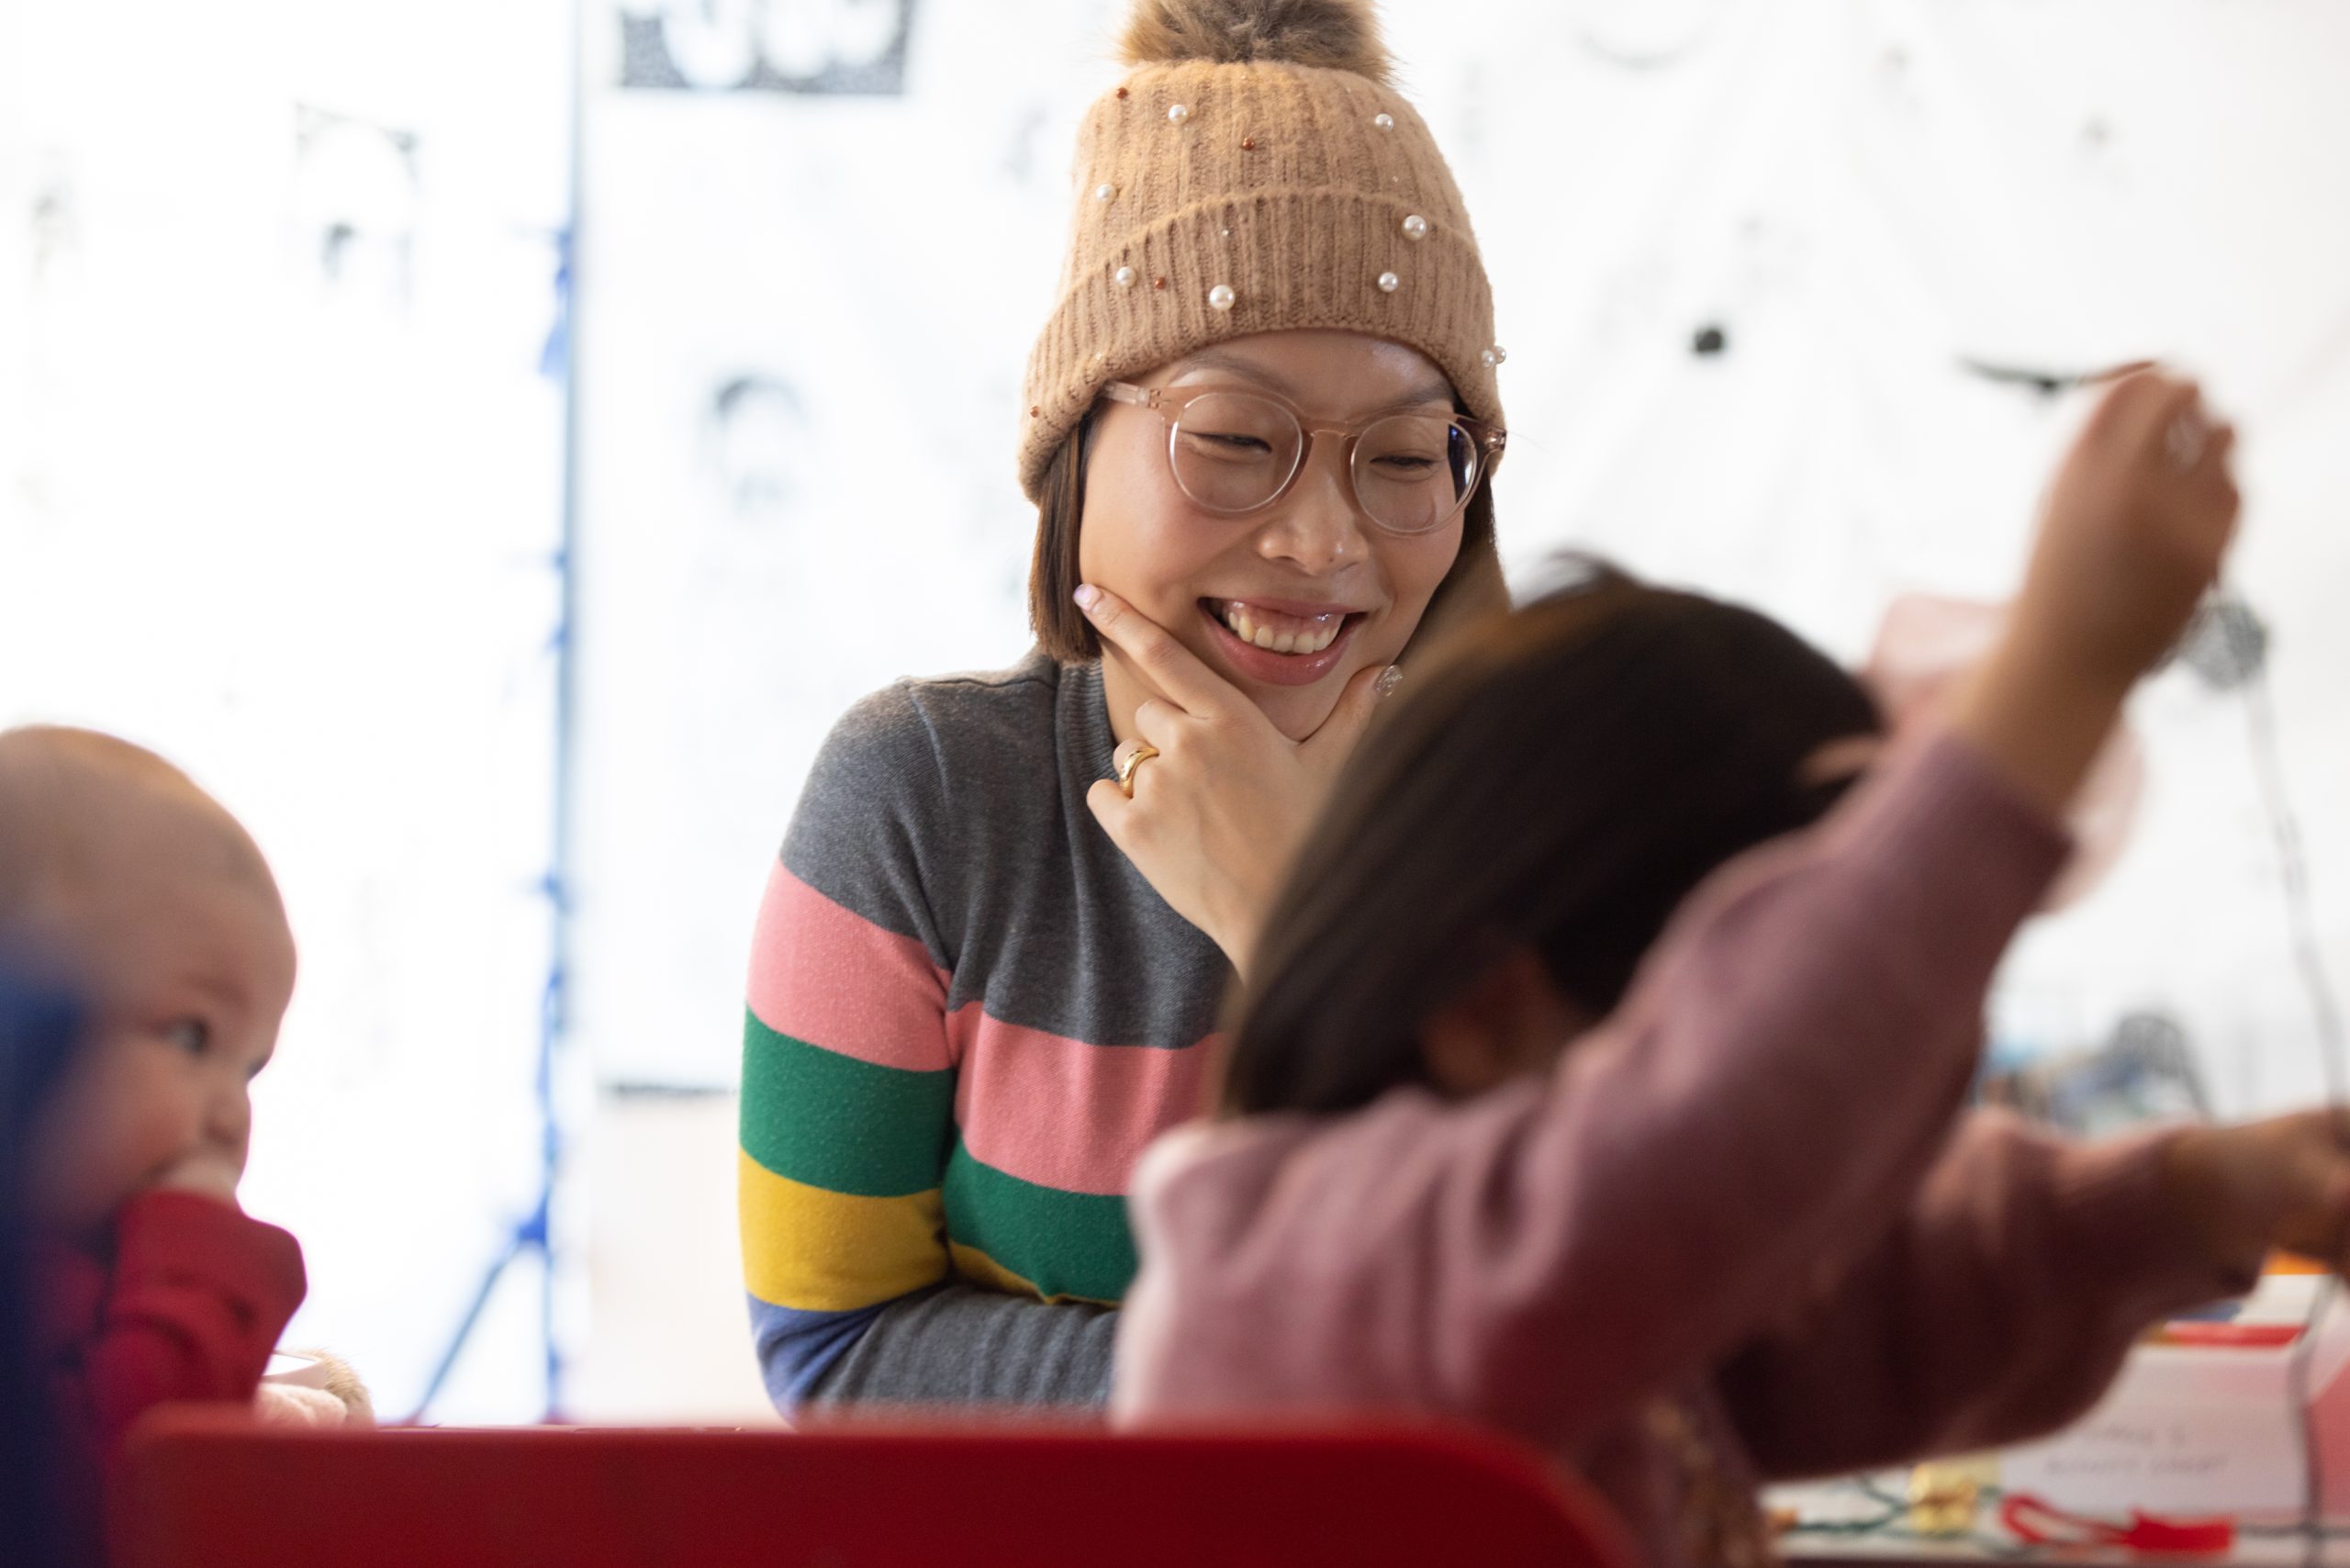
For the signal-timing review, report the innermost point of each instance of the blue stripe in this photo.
(797, 1347)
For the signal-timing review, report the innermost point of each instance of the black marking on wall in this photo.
(836, 49)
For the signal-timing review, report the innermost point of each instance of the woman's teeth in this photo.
(1281, 633)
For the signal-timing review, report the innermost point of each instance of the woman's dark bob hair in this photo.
(1561, 778)
(1472, 587)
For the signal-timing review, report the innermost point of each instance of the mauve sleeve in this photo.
(1545, 1257)
(1998, 1308)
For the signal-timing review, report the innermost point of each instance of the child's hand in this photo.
(2134, 530)
(2283, 1183)
(208, 1171)
(2135, 527)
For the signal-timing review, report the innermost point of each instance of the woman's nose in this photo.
(1318, 525)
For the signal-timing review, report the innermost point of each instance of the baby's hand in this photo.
(209, 1172)
(2135, 526)
(283, 1404)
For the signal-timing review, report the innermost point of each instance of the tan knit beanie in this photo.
(1255, 172)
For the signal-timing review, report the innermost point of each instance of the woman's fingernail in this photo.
(1087, 596)
(1390, 678)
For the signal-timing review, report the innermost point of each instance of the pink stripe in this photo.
(1064, 1114)
(824, 974)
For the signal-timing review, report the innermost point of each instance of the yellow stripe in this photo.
(981, 1269)
(812, 1250)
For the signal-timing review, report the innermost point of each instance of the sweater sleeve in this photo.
(848, 1081)
(848, 1107)
(195, 1300)
(1544, 1257)
(1998, 1308)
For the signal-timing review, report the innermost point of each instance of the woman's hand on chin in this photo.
(1217, 814)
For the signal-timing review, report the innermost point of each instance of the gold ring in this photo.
(1127, 765)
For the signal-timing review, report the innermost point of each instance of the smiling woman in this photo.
(1259, 422)
(1375, 523)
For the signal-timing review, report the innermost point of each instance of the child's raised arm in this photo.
(1763, 1106)
(2132, 533)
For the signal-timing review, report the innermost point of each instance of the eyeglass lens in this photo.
(1233, 452)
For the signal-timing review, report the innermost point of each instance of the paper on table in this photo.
(2189, 1430)
(300, 1371)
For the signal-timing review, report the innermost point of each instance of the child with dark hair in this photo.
(1583, 1089)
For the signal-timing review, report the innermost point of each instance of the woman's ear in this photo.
(1509, 1021)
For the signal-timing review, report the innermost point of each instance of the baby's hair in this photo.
(56, 784)
(1560, 780)
(65, 747)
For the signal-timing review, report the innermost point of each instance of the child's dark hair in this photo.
(1563, 778)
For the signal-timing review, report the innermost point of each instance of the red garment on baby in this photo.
(188, 1307)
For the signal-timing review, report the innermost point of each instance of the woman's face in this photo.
(1306, 566)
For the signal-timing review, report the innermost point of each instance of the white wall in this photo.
(1860, 193)
(294, 531)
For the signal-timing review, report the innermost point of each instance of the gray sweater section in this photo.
(958, 1345)
(953, 810)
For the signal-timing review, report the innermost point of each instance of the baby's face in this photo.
(180, 947)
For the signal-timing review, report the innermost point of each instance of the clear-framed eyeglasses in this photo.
(1238, 452)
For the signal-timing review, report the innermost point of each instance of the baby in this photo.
(130, 886)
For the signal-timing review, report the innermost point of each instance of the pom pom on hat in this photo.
(1335, 35)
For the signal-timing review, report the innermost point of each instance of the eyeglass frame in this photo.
(1486, 440)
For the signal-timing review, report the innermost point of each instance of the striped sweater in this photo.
(969, 1013)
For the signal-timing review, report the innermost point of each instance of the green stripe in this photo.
(832, 1121)
(1063, 1243)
